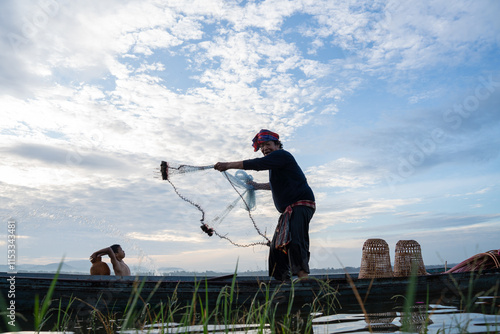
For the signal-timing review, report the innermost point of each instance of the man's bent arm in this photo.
(260, 186)
(223, 166)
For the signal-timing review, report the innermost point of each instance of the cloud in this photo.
(53, 155)
(164, 236)
(413, 141)
(479, 192)
(343, 173)
(447, 221)
(335, 215)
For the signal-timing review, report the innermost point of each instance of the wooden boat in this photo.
(113, 294)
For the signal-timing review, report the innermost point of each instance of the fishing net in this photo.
(168, 170)
(211, 223)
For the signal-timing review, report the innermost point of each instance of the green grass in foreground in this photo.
(268, 314)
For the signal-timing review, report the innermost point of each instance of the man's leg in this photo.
(279, 267)
(299, 245)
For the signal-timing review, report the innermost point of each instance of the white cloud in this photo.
(343, 173)
(356, 212)
(165, 236)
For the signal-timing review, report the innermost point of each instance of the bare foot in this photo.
(302, 274)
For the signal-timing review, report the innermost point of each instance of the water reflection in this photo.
(212, 329)
(421, 319)
(425, 319)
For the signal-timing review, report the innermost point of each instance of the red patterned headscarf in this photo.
(263, 136)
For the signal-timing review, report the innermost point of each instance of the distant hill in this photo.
(49, 268)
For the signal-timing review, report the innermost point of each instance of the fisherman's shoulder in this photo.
(280, 153)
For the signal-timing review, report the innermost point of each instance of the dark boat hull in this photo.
(113, 294)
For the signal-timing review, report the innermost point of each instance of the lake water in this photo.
(437, 319)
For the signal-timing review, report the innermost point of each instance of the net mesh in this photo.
(168, 170)
(211, 224)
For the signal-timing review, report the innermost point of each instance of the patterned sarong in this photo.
(282, 233)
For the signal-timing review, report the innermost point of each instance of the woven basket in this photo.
(376, 261)
(408, 254)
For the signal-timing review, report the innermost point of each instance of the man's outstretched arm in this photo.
(223, 166)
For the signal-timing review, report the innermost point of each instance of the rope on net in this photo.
(240, 180)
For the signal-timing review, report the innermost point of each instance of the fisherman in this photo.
(116, 255)
(293, 198)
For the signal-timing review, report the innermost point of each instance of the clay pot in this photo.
(99, 267)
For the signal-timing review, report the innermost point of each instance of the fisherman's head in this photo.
(267, 141)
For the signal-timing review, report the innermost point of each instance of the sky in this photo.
(390, 108)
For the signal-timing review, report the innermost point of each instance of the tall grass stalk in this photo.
(259, 315)
(408, 307)
(40, 310)
(106, 321)
(129, 310)
(63, 316)
(360, 301)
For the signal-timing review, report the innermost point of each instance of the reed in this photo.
(64, 315)
(260, 316)
(41, 309)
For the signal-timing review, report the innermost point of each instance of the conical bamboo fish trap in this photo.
(408, 254)
(375, 261)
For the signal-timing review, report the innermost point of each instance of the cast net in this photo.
(214, 216)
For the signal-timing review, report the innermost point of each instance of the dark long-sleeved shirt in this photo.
(288, 182)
